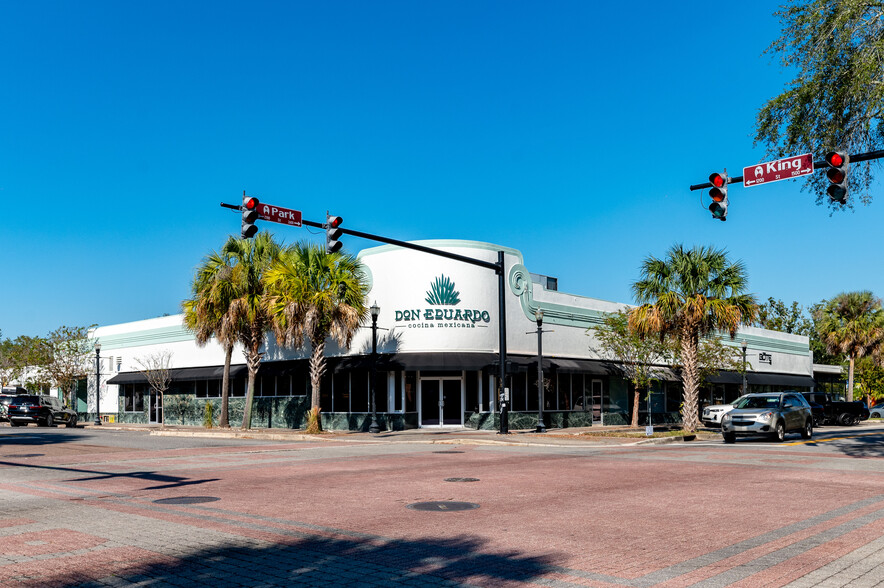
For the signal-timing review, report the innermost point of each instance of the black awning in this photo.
(128, 378)
(780, 380)
(444, 360)
(588, 366)
(724, 377)
(184, 374)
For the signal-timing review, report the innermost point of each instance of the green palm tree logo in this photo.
(442, 292)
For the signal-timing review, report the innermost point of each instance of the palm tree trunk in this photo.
(317, 370)
(225, 388)
(850, 379)
(635, 402)
(253, 361)
(690, 341)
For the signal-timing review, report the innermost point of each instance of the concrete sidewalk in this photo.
(552, 438)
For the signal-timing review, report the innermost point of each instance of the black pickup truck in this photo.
(834, 411)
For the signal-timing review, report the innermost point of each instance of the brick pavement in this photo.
(314, 514)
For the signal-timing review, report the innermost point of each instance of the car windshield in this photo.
(758, 402)
(25, 400)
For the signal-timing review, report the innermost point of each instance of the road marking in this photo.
(831, 439)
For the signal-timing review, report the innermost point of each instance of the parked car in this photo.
(5, 399)
(712, 414)
(838, 412)
(774, 414)
(876, 412)
(43, 410)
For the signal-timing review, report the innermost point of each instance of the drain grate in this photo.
(461, 479)
(448, 452)
(24, 455)
(443, 506)
(186, 500)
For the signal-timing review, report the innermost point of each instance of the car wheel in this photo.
(780, 432)
(807, 432)
(847, 419)
(729, 437)
(72, 422)
(50, 421)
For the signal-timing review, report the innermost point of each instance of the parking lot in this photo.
(101, 507)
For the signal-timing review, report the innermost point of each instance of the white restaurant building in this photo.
(437, 362)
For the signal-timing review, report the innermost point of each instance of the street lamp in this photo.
(375, 311)
(97, 380)
(538, 316)
(743, 347)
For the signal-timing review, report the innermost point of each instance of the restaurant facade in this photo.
(438, 358)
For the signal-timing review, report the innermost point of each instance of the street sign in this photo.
(278, 214)
(781, 169)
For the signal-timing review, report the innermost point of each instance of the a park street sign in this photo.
(278, 214)
(781, 169)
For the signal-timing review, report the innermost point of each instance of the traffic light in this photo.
(718, 193)
(333, 233)
(249, 216)
(837, 174)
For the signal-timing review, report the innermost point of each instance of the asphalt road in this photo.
(91, 507)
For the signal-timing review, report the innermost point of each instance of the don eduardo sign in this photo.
(442, 297)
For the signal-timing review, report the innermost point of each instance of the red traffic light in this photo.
(335, 221)
(251, 203)
(718, 180)
(835, 159)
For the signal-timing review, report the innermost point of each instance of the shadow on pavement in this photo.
(169, 481)
(317, 561)
(20, 437)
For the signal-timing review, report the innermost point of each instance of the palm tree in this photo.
(313, 295)
(852, 324)
(687, 296)
(250, 260)
(207, 314)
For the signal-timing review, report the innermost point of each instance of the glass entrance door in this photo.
(597, 401)
(155, 409)
(440, 402)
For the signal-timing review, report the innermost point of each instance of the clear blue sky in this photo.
(569, 130)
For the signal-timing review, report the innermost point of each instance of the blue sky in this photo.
(569, 130)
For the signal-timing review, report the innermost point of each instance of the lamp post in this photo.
(97, 381)
(743, 347)
(538, 316)
(375, 311)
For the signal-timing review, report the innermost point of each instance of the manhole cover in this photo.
(444, 506)
(186, 500)
(461, 479)
(448, 452)
(24, 455)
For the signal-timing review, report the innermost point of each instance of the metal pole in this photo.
(541, 428)
(97, 382)
(501, 302)
(374, 428)
(743, 345)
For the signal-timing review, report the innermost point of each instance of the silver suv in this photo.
(774, 414)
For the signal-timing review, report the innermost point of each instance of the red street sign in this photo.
(781, 169)
(278, 214)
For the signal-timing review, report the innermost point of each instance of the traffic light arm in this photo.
(816, 165)
(407, 245)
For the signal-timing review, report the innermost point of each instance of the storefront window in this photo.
(471, 387)
(397, 391)
(410, 392)
(518, 392)
(341, 391)
(381, 392)
(359, 401)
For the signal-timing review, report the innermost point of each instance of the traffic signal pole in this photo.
(499, 268)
